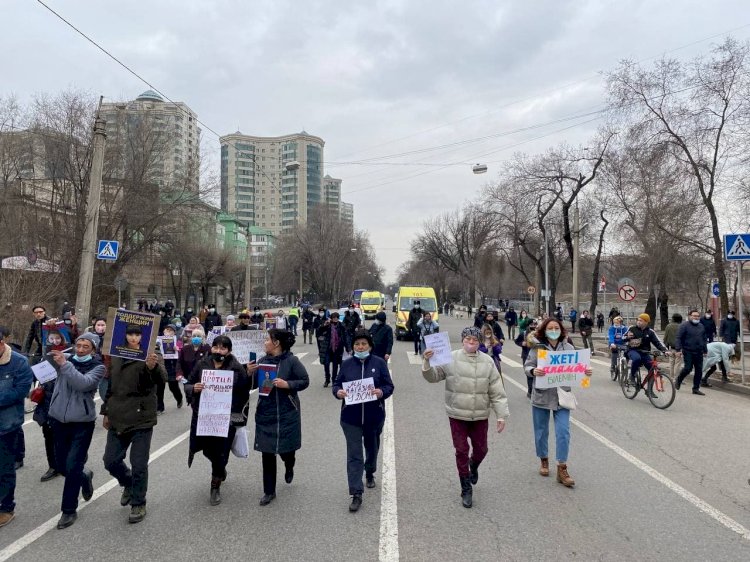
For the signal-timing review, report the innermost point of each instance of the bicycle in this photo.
(659, 387)
(621, 363)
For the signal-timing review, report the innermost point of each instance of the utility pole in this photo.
(546, 274)
(88, 255)
(248, 269)
(576, 244)
(300, 284)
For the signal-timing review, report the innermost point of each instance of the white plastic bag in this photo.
(240, 447)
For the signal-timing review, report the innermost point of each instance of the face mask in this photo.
(212, 310)
(708, 316)
(83, 358)
(730, 316)
(695, 321)
(189, 310)
(552, 334)
(361, 354)
(101, 332)
(178, 324)
(321, 314)
(378, 321)
(196, 340)
(417, 306)
(218, 357)
(471, 347)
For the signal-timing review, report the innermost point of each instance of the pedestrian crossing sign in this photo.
(737, 247)
(108, 250)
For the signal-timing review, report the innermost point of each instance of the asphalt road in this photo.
(650, 485)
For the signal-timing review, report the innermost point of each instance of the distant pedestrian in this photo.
(709, 325)
(427, 326)
(308, 317)
(382, 337)
(331, 344)
(670, 340)
(294, 314)
(572, 316)
(692, 344)
(412, 324)
(600, 322)
(511, 321)
(729, 330)
(586, 327)
(473, 388)
(212, 319)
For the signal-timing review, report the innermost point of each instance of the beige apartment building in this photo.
(259, 187)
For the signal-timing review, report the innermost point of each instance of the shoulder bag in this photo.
(566, 399)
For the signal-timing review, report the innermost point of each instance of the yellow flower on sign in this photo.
(541, 354)
(585, 382)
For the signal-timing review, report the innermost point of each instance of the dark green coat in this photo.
(131, 399)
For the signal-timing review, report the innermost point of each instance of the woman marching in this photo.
(216, 449)
(362, 423)
(278, 420)
(491, 345)
(551, 336)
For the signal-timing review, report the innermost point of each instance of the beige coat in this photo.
(473, 386)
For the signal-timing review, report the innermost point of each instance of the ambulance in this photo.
(407, 296)
(370, 304)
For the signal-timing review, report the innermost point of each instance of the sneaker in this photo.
(49, 475)
(137, 514)
(6, 517)
(125, 497)
(87, 486)
(370, 481)
(356, 503)
(66, 520)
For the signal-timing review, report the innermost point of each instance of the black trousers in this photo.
(8, 471)
(20, 446)
(216, 450)
(49, 445)
(335, 359)
(269, 469)
(136, 477)
(693, 361)
(72, 441)
(357, 438)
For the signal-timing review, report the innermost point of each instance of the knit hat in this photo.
(380, 316)
(230, 317)
(88, 336)
(645, 317)
(362, 335)
(471, 332)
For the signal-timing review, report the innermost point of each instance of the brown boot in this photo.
(563, 477)
(544, 469)
(6, 517)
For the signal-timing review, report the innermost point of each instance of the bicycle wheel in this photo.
(660, 390)
(629, 388)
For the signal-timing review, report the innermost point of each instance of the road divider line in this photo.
(703, 506)
(388, 545)
(32, 536)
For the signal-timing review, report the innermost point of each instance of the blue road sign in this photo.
(715, 290)
(737, 247)
(108, 250)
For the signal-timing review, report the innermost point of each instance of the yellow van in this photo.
(370, 304)
(407, 296)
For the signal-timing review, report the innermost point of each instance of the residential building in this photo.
(332, 193)
(262, 244)
(347, 213)
(235, 235)
(257, 186)
(168, 131)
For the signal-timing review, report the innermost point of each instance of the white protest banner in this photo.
(245, 342)
(168, 347)
(358, 391)
(215, 403)
(562, 368)
(440, 344)
(44, 372)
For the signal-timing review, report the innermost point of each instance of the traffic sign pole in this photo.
(742, 320)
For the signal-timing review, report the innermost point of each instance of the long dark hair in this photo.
(541, 331)
(286, 339)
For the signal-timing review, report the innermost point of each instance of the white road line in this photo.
(414, 359)
(300, 355)
(703, 506)
(388, 498)
(510, 362)
(604, 363)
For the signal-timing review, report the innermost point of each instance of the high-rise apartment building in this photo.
(332, 193)
(166, 133)
(347, 213)
(258, 185)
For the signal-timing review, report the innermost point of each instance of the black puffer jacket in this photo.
(278, 419)
(131, 398)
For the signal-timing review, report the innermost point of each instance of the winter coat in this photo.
(615, 334)
(479, 319)
(323, 333)
(425, 329)
(496, 352)
(211, 321)
(710, 328)
(585, 325)
(41, 410)
(257, 318)
(545, 398)
(691, 338)
(497, 329)
(670, 334)
(511, 318)
(241, 386)
(718, 352)
(189, 357)
(130, 403)
(729, 330)
(473, 386)
(351, 322)
(382, 339)
(307, 319)
(73, 397)
(15, 381)
(647, 338)
(34, 337)
(523, 323)
(415, 316)
(368, 413)
(278, 419)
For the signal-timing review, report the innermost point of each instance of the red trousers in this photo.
(463, 431)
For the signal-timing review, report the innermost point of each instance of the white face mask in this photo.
(730, 316)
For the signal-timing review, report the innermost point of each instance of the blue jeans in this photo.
(638, 358)
(72, 441)
(8, 471)
(540, 417)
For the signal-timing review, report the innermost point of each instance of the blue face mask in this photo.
(82, 359)
(552, 334)
(361, 354)
(196, 340)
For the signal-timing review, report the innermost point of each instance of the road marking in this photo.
(388, 548)
(603, 363)
(703, 506)
(413, 359)
(300, 355)
(505, 360)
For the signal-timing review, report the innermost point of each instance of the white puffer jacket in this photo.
(473, 386)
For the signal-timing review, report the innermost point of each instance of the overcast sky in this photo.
(375, 78)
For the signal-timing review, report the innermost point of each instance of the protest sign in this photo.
(136, 345)
(440, 344)
(215, 407)
(562, 368)
(358, 391)
(44, 372)
(269, 324)
(246, 342)
(215, 331)
(266, 374)
(168, 347)
(55, 336)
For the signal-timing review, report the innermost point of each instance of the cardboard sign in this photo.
(358, 391)
(215, 407)
(562, 368)
(168, 347)
(136, 347)
(245, 342)
(440, 344)
(266, 374)
(44, 372)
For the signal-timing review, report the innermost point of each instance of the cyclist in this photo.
(616, 332)
(640, 338)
